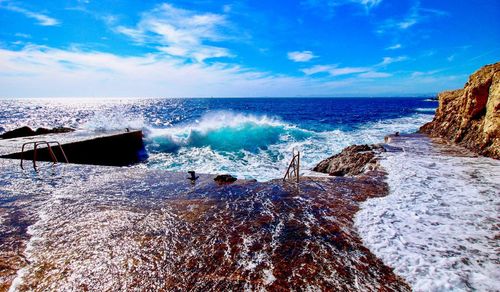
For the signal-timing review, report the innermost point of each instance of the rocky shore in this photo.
(470, 116)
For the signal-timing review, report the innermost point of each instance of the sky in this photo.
(203, 48)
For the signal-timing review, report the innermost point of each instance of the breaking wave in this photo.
(227, 132)
(258, 147)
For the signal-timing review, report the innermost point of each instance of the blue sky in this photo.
(111, 48)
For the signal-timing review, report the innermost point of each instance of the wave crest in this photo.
(225, 131)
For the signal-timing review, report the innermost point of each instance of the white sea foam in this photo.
(439, 224)
(426, 109)
(190, 147)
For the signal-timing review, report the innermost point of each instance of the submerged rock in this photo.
(27, 131)
(470, 116)
(225, 179)
(352, 160)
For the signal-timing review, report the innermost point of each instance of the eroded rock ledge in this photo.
(470, 116)
(353, 160)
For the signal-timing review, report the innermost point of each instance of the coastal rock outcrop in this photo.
(27, 131)
(353, 160)
(225, 179)
(471, 116)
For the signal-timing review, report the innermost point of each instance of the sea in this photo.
(438, 227)
(251, 138)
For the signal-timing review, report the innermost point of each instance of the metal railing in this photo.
(49, 149)
(294, 167)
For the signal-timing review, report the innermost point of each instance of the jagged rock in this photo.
(352, 160)
(225, 178)
(42, 131)
(19, 132)
(27, 131)
(471, 116)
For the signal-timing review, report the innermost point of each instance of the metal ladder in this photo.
(293, 167)
(49, 148)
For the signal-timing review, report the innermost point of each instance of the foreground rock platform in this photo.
(82, 227)
(470, 116)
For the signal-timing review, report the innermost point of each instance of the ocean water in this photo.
(249, 138)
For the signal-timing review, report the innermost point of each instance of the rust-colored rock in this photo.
(471, 116)
(353, 160)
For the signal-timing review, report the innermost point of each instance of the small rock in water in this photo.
(42, 131)
(225, 179)
(19, 132)
(27, 131)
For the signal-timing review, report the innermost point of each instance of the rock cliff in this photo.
(471, 116)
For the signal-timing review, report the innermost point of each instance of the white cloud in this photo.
(180, 32)
(416, 15)
(374, 74)
(368, 71)
(390, 60)
(42, 19)
(303, 56)
(394, 47)
(331, 4)
(36, 71)
(334, 70)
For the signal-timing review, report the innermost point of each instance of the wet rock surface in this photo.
(27, 131)
(105, 228)
(470, 116)
(225, 179)
(353, 160)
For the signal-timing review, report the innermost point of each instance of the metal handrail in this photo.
(60, 148)
(35, 148)
(294, 167)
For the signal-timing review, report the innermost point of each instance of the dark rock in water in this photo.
(42, 131)
(470, 117)
(27, 131)
(225, 178)
(19, 132)
(352, 160)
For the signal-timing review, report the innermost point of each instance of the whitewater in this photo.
(438, 227)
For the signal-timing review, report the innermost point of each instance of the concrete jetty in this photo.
(114, 148)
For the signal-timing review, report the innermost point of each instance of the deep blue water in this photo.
(247, 137)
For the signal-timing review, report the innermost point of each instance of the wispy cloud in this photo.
(390, 60)
(45, 71)
(374, 74)
(38, 71)
(303, 56)
(41, 18)
(364, 72)
(367, 5)
(334, 70)
(180, 32)
(416, 15)
(394, 47)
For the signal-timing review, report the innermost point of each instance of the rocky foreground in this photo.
(77, 227)
(470, 116)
